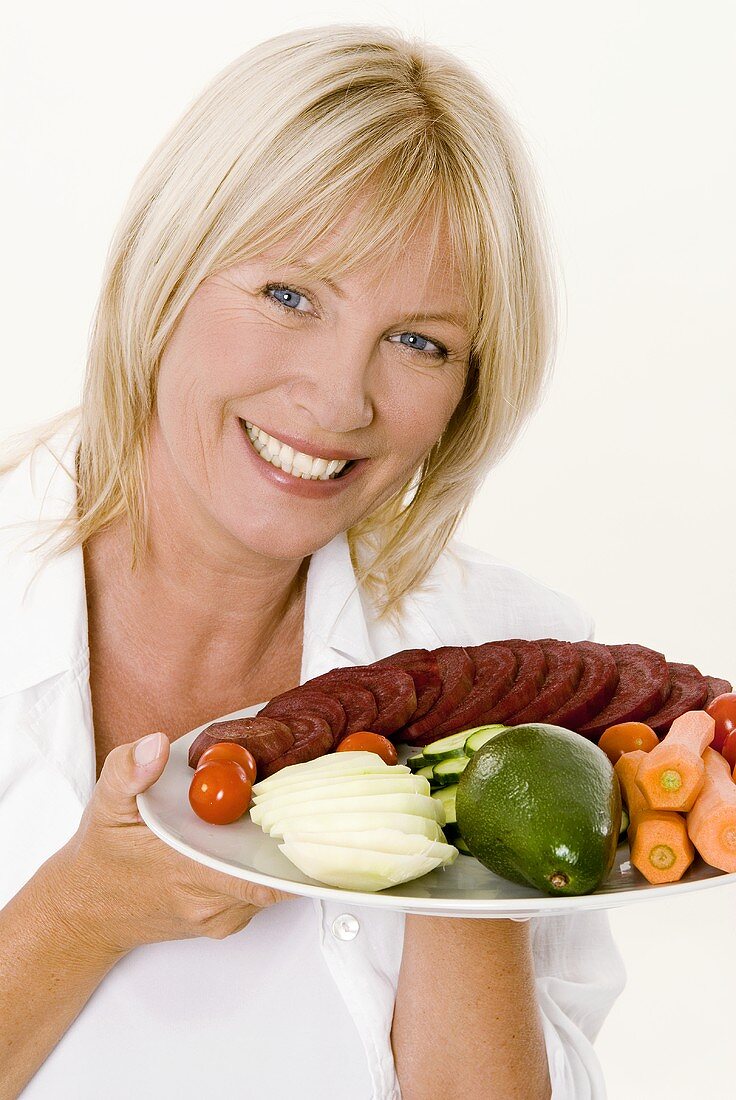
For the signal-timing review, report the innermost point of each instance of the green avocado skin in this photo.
(538, 801)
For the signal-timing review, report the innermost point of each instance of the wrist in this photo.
(70, 901)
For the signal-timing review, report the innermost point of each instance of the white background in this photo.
(620, 491)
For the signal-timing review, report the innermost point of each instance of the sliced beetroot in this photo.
(495, 669)
(716, 687)
(457, 669)
(421, 664)
(643, 686)
(308, 700)
(314, 738)
(307, 727)
(688, 691)
(530, 674)
(393, 690)
(598, 682)
(359, 704)
(564, 670)
(265, 738)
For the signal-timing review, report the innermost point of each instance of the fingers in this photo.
(238, 889)
(129, 770)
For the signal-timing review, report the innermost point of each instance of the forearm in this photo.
(49, 966)
(466, 1021)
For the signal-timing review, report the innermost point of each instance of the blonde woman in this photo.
(338, 254)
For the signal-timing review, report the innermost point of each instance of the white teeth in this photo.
(294, 462)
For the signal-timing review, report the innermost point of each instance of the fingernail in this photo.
(149, 748)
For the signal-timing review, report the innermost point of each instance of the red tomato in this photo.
(364, 741)
(723, 710)
(229, 750)
(220, 792)
(729, 749)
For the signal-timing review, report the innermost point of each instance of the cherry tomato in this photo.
(723, 710)
(627, 737)
(728, 752)
(220, 792)
(229, 750)
(364, 741)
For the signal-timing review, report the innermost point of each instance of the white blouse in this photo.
(289, 1006)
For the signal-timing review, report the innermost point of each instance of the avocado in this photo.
(541, 806)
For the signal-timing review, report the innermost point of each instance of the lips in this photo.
(291, 477)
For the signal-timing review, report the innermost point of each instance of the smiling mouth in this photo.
(263, 453)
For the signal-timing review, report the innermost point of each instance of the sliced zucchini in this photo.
(479, 737)
(417, 762)
(461, 846)
(449, 771)
(446, 795)
(427, 772)
(446, 747)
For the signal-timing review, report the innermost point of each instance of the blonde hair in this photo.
(282, 142)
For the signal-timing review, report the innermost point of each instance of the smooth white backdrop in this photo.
(620, 490)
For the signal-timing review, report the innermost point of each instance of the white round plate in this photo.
(464, 889)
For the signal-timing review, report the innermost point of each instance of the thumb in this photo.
(127, 771)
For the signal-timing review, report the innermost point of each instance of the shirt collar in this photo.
(42, 596)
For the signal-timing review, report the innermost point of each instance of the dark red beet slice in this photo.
(495, 670)
(457, 670)
(564, 669)
(688, 691)
(359, 704)
(597, 685)
(265, 738)
(421, 664)
(314, 738)
(643, 686)
(529, 679)
(305, 700)
(307, 727)
(392, 688)
(716, 687)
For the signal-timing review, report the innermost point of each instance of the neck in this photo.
(199, 628)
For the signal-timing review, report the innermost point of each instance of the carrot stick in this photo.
(658, 840)
(712, 821)
(672, 775)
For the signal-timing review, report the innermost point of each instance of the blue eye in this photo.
(289, 293)
(288, 304)
(440, 353)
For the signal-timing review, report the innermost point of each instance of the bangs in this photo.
(387, 205)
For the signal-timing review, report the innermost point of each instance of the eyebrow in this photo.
(453, 318)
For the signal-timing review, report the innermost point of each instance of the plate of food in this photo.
(503, 818)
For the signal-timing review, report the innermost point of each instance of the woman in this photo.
(337, 252)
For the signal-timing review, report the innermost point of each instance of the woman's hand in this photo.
(124, 887)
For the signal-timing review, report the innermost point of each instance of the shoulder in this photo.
(471, 596)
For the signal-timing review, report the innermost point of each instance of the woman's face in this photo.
(336, 373)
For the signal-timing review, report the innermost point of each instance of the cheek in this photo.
(418, 410)
(204, 368)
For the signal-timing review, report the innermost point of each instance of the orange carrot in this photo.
(672, 775)
(660, 846)
(712, 821)
(627, 737)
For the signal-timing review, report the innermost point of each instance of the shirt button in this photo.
(345, 927)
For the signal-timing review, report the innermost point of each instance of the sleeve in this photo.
(579, 974)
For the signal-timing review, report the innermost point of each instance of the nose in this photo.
(333, 391)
